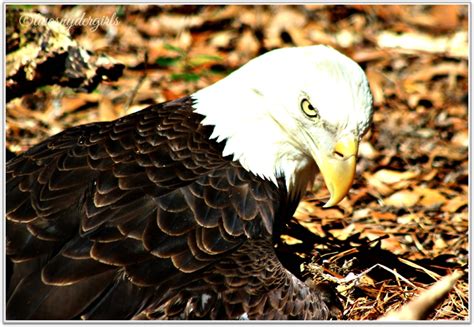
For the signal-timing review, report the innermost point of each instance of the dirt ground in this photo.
(404, 223)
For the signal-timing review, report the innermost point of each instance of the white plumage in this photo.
(257, 110)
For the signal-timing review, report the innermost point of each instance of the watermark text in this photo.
(87, 21)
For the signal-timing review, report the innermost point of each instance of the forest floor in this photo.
(404, 223)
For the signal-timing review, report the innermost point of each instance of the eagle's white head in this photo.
(291, 112)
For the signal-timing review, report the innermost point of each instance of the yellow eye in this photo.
(308, 108)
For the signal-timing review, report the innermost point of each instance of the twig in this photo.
(139, 83)
(351, 277)
(430, 273)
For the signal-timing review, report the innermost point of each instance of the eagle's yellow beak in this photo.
(338, 168)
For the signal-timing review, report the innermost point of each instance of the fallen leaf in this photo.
(384, 215)
(367, 150)
(429, 176)
(313, 227)
(343, 234)
(107, 110)
(461, 138)
(222, 39)
(376, 81)
(430, 197)
(454, 204)
(446, 17)
(391, 176)
(455, 45)
(290, 240)
(392, 244)
(379, 186)
(407, 219)
(403, 198)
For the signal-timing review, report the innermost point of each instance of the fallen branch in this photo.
(44, 53)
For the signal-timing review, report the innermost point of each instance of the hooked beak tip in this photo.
(338, 169)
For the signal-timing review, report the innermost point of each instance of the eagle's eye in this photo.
(308, 109)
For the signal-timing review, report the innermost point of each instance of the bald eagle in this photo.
(168, 213)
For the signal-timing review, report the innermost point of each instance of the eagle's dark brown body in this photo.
(143, 218)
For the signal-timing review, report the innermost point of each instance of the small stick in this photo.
(139, 83)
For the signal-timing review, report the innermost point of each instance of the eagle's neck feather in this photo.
(253, 138)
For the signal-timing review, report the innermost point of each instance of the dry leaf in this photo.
(407, 219)
(392, 177)
(430, 197)
(403, 198)
(454, 204)
(343, 234)
(454, 45)
(461, 138)
(290, 240)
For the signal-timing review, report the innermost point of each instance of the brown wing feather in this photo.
(140, 206)
(250, 283)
